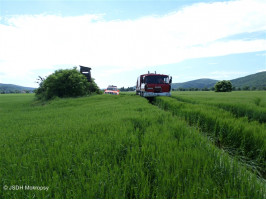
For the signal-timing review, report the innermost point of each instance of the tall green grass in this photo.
(239, 136)
(251, 104)
(112, 147)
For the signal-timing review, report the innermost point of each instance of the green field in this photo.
(185, 146)
(250, 104)
(217, 115)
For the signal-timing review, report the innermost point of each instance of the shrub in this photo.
(223, 86)
(65, 83)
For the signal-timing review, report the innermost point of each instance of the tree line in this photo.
(15, 91)
(221, 86)
(245, 88)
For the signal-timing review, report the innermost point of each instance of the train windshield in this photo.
(157, 79)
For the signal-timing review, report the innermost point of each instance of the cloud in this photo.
(226, 75)
(35, 42)
(262, 70)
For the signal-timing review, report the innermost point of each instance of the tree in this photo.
(223, 86)
(65, 83)
(246, 88)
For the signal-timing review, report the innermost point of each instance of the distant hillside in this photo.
(8, 88)
(257, 80)
(199, 83)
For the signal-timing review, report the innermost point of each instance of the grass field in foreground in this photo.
(111, 147)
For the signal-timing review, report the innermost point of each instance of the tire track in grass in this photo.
(239, 137)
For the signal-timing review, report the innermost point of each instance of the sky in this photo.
(122, 39)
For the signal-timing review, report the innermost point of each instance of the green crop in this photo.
(111, 147)
(251, 104)
(237, 135)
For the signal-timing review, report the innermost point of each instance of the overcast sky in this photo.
(120, 40)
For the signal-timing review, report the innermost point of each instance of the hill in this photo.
(199, 83)
(10, 88)
(257, 80)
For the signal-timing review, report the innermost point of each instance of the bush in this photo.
(223, 86)
(65, 83)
